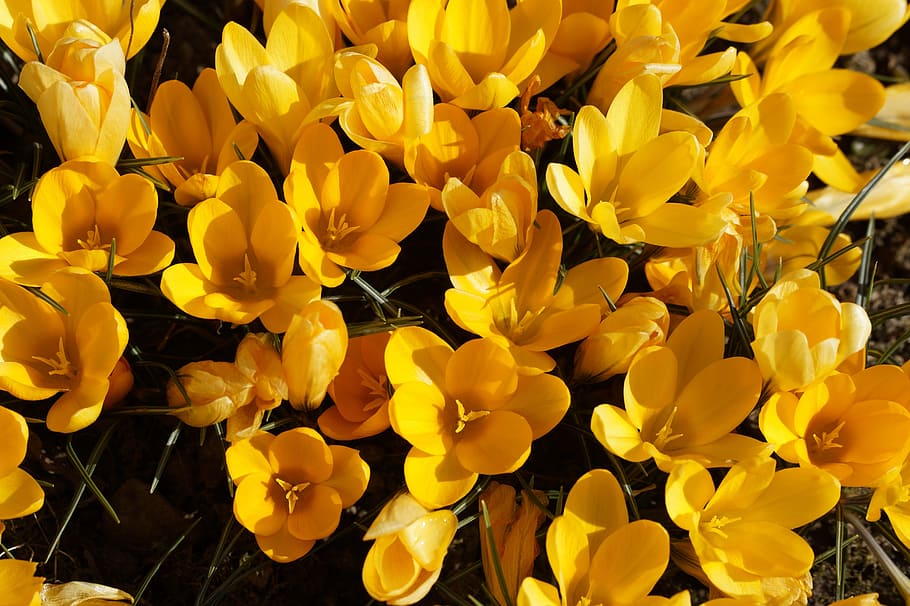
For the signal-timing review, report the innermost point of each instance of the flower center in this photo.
(465, 417)
(717, 523)
(665, 434)
(337, 229)
(61, 365)
(247, 278)
(517, 324)
(377, 386)
(292, 492)
(92, 240)
(827, 439)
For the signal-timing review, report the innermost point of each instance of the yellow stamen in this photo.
(665, 434)
(61, 366)
(292, 492)
(827, 439)
(247, 278)
(718, 522)
(92, 240)
(337, 230)
(465, 417)
(377, 386)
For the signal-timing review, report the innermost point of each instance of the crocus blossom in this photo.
(741, 530)
(245, 241)
(292, 488)
(410, 544)
(312, 352)
(692, 411)
(198, 126)
(70, 347)
(86, 215)
(82, 96)
(465, 412)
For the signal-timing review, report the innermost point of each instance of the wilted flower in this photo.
(351, 216)
(82, 96)
(131, 23)
(71, 347)
(694, 408)
(476, 51)
(312, 353)
(83, 213)
(245, 241)
(513, 542)
(639, 323)
(853, 427)
(465, 412)
(215, 391)
(803, 333)
(360, 391)
(292, 488)
(197, 125)
(410, 544)
(597, 555)
(260, 362)
(741, 531)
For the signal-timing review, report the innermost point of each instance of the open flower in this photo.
(245, 241)
(584, 31)
(692, 411)
(741, 531)
(517, 307)
(351, 216)
(20, 494)
(83, 213)
(71, 347)
(131, 23)
(82, 96)
(853, 427)
(469, 149)
(478, 51)
(513, 541)
(627, 173)
(410, 544)
(465, 412)
(360, 391)
(276, 87)
(597, 555)
(292, 488)
(196, 125)
(383, 24)
(803, 333)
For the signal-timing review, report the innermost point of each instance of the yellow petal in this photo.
(427, 538)
(259, 504)
(350, 474)
(419, 413)
(499, 442)
(436, 480)
(836, 101)
(644, 546)
(316, 514)
(21, 495)
(282, 546)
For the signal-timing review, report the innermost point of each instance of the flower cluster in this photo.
(352, 227)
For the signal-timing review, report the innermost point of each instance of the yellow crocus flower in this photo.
(584, 31)
(597, 555)
(853, 427)
(351, 216)
(477, 52)
(20, 494)
(517, 307)
(81, 95)
(197, 125)
(131, 23)
(382, 23)
(71, 348)
(692, 412)
(82, 214)
(469, 149)
(276, 86)
(627, 173)
(741, 530)
(312, 352)
(245, 241)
